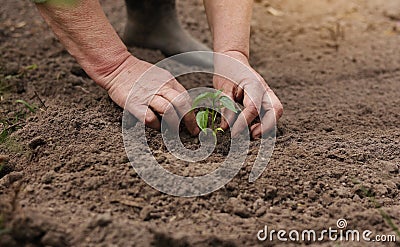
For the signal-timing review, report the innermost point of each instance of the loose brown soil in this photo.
(66, 180)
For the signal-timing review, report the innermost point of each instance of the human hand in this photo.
(250, 89)
(155, 94)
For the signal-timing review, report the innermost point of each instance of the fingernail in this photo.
(195, 132)
(224, 125)
(257, 137)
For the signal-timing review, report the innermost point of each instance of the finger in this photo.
(274, 111)
(267, 124)
(166, 111)
(189, 117)
(253, 98)
(239, 94)
(244, 119)
(144, 114)
(151, 120)
(276, 104)
(177, 86)
(254, 126)
(181, 103)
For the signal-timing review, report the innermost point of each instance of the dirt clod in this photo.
(101, 220)
(54, 239)
(15, 176)
(5, 168)
(36, 142)
(48, 177)
(11, 68)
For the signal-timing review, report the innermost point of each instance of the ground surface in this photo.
(67, 180)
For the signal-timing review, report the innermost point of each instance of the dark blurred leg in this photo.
(154, 24)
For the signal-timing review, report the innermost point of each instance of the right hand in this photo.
(141, 103)
(249, 89)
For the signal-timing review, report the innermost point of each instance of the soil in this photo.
(335, 65)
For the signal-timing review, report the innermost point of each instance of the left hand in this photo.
(251, 90)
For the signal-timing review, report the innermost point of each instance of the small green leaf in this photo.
(200, 98)
(3, 135)
(214, 116)
(202, 120)
(217, 94)
(31, 108)
(31, 67)
(228, 103)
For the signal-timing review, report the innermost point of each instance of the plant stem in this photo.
(212, 119)
(212, 114)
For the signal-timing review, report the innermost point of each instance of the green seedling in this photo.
(11, 124)
(32, 108)
(217, 103)
(21, 72)
(31, 67)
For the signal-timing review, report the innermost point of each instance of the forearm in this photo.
(229, 21)
(88, 36)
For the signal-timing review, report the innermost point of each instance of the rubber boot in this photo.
(154, 24)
